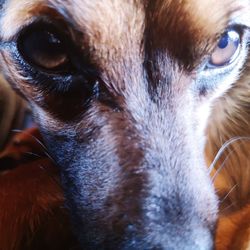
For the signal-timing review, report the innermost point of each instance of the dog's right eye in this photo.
(44, 48)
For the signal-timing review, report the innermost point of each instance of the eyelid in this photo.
(42, 23)
(35, 22)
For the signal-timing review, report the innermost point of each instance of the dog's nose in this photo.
(179, 239)
(166, 220)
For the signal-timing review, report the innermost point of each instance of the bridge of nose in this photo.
(173, 193)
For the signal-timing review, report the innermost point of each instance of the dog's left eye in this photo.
(44, 48)
(227, 49)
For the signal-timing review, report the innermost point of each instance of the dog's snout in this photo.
(156, 215)
(196, 239)
(152, 194)
(166, 224)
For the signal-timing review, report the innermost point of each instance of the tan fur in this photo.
(36, 204)
(231, 119)
(17, 14)
(193, 36)
(234, 231)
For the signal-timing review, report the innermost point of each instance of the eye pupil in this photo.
(44, 48)
(44, 42)
(48, 40)
(52, 39)
(223, 43)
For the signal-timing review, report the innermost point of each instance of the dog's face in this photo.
(122, 90)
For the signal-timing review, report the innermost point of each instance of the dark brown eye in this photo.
(44, 48)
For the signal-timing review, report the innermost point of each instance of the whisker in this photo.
(34, 154)
(230, 191)
(41, 156)
(50, 157)
(223, 148)
(227, 208)
(32, 136)
(221, 166)
(38, 141)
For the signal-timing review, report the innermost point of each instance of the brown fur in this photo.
(231, 119)
(12, 110)
(144, 54)
(233, 231)
(30, 193)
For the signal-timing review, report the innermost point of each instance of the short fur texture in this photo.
(32, 214)
(127, 129)
(231, 120)
(12, 111)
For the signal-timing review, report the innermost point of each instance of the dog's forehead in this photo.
(117, 30)
(108, 19)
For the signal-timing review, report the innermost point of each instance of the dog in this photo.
(12, 112)
(123, 92)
